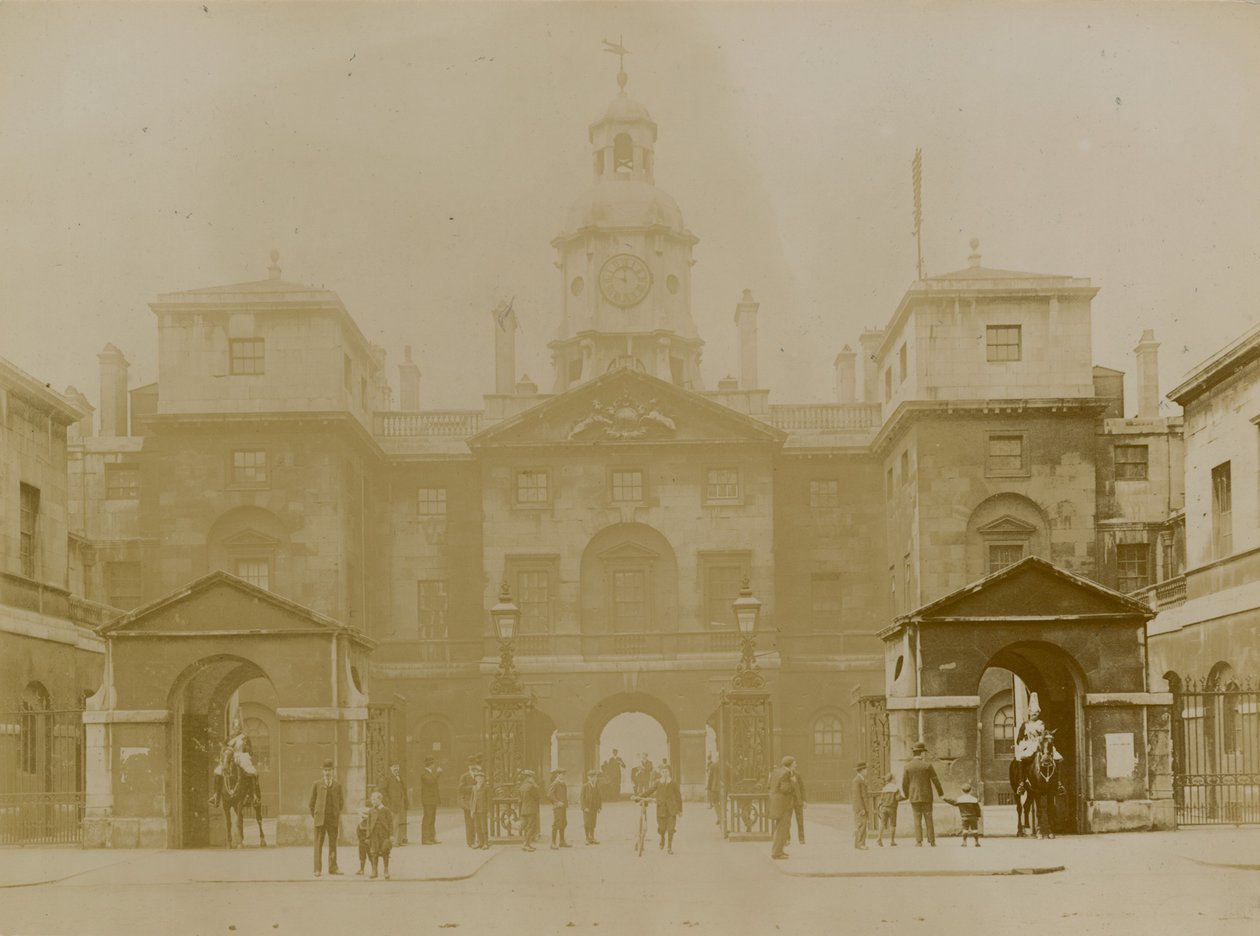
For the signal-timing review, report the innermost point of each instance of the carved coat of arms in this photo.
(623, 420)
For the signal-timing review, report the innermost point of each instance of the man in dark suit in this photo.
(668, 807)
(782, 805)
(861, 806)
(917, 783)
(531, 796)
(798, 807)
(397, 802)
(429, 799)
(591, 801)
(326, 803)
(466, 783)
(480, 798)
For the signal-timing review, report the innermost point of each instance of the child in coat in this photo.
(886, 810)
(380, 833)
(361, 833)
(969, 812)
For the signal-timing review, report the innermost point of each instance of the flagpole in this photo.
(916, 175)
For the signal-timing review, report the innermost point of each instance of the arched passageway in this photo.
(650, 711)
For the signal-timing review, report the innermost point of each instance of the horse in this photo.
(1044, 783)
(238, 791)
(1025, 806)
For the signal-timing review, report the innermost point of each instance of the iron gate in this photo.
(875, 736)
(41, 776)
(1216, 752)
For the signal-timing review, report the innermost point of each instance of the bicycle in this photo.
(643, 818)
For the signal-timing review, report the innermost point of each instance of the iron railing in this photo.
(41, 776)
(1216, 752)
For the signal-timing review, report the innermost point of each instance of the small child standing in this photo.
(380, 835)
(361, 833)
(969, 812)
(886, 810)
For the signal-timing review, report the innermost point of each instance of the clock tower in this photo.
(625, 261)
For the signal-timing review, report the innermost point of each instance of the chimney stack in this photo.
(1147, 352)
(746, 320)
(869, 342)
(408, 383)
(846, 376)
(113, 392)
(504, 318)
(83, 428)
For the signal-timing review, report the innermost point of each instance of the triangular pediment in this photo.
(626, 407)
(250, 539)
(629, 551)
(222, 603)
(1032, 589)
(1007, 526)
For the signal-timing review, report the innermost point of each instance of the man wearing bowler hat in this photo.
(782, 805)
(917, 783)
(326, 802)
(861, 806)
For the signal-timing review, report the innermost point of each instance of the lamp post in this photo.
(507, 707)
(746, 733)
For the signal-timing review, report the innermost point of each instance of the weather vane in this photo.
(619, 50)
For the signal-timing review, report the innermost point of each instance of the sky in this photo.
(418, 158)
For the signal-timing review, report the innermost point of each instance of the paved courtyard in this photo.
(1192, 881)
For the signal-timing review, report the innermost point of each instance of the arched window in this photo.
(260, 742)
(623, 153)
(36, 727)
(827, 735)
(1004, 731)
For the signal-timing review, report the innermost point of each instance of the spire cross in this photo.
(618, 49)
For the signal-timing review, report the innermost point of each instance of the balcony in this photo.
(17, 591)
(1164, 595)
(451, 424)
(825, 416)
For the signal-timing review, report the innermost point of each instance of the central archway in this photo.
(1009, 675)
(630, 703)
(202, 702)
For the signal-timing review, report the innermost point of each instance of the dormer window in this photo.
(623, 153)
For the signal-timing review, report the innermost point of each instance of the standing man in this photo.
(397, 801)
(429, 799)
(480, 809)
(713, 788)
(613, 768)
(558, 794)
(326, 802)
(591, 801)
(782, 805)
(467, 781)
(641, 776)
(916, 785)
(799, 806)
(668, 807)
(530, 795)
(861, 806)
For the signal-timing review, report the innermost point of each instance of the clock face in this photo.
(625, 280)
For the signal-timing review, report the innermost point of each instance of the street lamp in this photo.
(747, 729)
(507, 708)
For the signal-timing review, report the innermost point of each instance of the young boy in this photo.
(558, 793)
(591, 801)
(886, 810)
(480, 809)
(380, 833)
(361, 832)
(969, 812)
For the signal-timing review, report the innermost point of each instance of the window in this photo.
(28, 527)
(888, 384)
(249, 466)
(905, 466)
(721, 588)
(1166, 557)
(1004, 343)
(1132, 566)
(902, 362)
(256, 571)
(432, 609)
(824, 493)
(627, 486)
(36, 728)
(825, 602)
(1004, 732)
(531, 488)
(1131, 462)
(122, 482)
(533, 587)
(431, 502)
(246, 355)
(629, 600)
(721, 484)
(1002, 555)
(1222, 511)
(827, 736)
(1006, 456)
(122, 584)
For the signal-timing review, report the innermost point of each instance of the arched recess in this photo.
(1061, 686)
(629, 584)
(200, 701)
(619, 704)
(253, 544)
(1002, 530)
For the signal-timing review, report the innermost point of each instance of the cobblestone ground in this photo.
(1185, 882)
